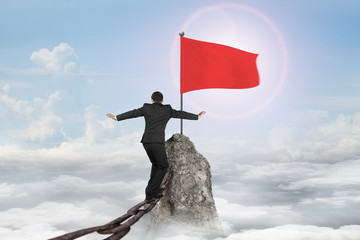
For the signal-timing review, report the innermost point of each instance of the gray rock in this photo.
(188, 198)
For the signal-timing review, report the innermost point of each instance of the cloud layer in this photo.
(296, 232)
(303, 178)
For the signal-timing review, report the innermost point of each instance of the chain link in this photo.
(117, 228)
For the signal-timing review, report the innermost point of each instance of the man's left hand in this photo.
(111, 116)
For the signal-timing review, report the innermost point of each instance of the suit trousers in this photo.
(159, 165)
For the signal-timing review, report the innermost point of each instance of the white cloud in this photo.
(51, 219)
(45, 123)
(236, 215)
(109, 178)
(298, 232)
(325, 194)
(95, 128)
(53, 97)
(44, 209)
(339, 199)
(75, 189)
(315, 137)
(126, 149)
(13, 106)
(311, 136)
(43, 221)
(43, 128)
(9, 191)
(6, 88)
(328, 176)
(61, 59)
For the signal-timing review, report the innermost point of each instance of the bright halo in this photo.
(245, 28)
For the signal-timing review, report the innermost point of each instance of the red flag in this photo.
(210, 65)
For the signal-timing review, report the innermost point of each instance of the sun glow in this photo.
(245, 28)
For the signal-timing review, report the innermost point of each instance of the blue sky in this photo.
(65, 64)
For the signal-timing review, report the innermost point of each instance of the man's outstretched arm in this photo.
(186, 115)
(130, 114)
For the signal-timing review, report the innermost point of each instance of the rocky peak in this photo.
(188, 198)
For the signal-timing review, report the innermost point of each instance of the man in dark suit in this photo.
(156, 117)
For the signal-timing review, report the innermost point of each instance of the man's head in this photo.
(157, 97)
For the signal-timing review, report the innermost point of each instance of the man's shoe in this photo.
(159, 195)
(156, 197)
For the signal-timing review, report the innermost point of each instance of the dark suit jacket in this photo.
(156, 117)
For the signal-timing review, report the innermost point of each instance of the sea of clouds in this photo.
(300, 182)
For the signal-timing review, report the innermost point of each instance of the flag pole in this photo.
(181, 120)
(181, 34)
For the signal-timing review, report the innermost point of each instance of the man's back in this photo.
(156, 117)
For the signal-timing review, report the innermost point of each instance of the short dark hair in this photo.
(157, 96)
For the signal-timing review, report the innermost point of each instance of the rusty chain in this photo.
(116, 227)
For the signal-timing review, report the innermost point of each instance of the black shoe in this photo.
(156, 197)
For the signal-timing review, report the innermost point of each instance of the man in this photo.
(156, 117)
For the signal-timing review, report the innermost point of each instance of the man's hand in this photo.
(111, 116)
(202, 113)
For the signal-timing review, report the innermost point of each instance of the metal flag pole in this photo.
(181, 34)
(181, 120)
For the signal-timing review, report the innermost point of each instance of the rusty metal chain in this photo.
(116, 227)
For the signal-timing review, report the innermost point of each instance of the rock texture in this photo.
(188, 198)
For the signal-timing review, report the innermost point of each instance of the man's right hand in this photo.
(202, 113)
